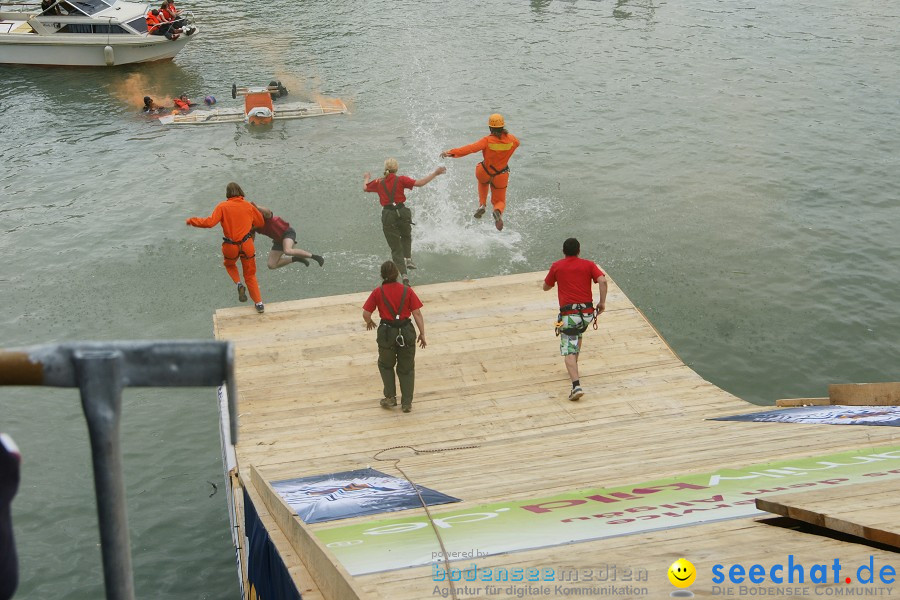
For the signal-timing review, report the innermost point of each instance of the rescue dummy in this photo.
(283, 239)
(238, 218)
(492, 172)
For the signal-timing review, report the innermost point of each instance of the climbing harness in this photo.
(396, 323)
(239, 244)
(437, 534)
(584, 313)
(492, 175)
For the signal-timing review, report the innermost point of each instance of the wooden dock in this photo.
(491, 380)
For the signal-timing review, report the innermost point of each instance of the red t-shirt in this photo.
(274, 228)
(574, 276)
(393, 291)
(401, 182)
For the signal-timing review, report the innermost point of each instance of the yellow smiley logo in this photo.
(682, 573)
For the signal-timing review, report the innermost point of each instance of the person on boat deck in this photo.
(183, 103)
(238, 218)
(156, 25)
(283, 239)
(396, 218)
(493, 171)
(576, 308)
(169, 14)
(50, 7)
(396, 336)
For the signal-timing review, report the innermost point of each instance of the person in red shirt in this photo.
(396, 336)
(576, 308)
(238, 218)
(493, 171)
(283, 239)
(396, 218)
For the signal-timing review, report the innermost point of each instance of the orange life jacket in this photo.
(152, 22)
(166, 15)
(182, 104)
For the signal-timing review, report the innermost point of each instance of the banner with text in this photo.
(829, 415)
(598, 513)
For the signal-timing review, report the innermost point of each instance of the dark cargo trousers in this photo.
(391, 353)
(397, 226)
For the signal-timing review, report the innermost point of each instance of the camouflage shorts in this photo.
(571, 344)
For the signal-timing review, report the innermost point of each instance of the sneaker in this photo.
(576, 393)
(406, 408)
(260, 307)
(498, 220)
(480, 212)
(410, 264)
(319, 259)
(300, 259)
(389, 402)
(242, 292)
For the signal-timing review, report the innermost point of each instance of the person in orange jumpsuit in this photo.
(238, 218)
(492, 172)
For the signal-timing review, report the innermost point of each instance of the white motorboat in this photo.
(94, 33)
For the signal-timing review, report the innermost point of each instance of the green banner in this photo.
(596, 513)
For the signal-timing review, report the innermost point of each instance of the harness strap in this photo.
(243, 239)
(240, 244)
(390, 307)
(584, 311)
(492, 175)
(392, 193)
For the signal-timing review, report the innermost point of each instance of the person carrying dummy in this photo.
(396, 218)
(492, 172)
(238, 218)
(396, 335)
(283, 239)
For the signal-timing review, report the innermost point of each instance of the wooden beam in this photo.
(865, 394)
(794, 402)
(334, 582)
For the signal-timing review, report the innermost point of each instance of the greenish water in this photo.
(734, 168)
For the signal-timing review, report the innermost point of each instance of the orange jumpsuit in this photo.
(493, 171)
(238, 217)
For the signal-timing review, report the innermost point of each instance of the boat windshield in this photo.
(89, 7)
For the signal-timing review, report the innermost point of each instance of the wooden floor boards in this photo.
(492, 377)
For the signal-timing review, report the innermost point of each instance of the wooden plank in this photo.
(870, 511)
(794, 402)
(329, 575)
(865, 394)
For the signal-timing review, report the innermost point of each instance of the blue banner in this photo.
(267, 577)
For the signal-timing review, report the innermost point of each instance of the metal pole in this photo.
(99, 376)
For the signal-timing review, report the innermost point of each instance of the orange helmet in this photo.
(495, 120)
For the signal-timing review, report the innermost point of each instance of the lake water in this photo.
(733, 166)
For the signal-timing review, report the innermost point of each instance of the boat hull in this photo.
(86, 50)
